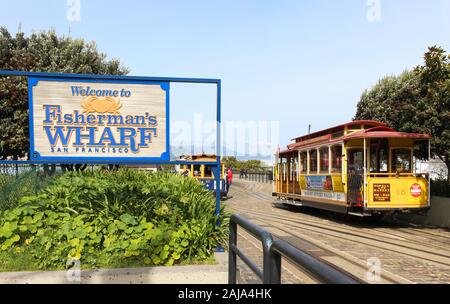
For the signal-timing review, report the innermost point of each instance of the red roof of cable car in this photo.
(385, 132)
(341, 127)
(381, 130)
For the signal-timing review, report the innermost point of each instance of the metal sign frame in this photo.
(128, 79)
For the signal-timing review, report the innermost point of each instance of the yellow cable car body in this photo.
(362, 168)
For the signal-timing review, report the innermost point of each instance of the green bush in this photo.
(114, 219)
(440, 187)
(13, 188)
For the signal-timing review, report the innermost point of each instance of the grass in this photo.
(13, 188)
(10, 261)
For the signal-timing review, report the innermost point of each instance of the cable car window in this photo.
(354, 127)
(197, 171)
(379, 155)
(337, 134)
(313, 161)
(185, 170)
(208, 171)
(336, 159)
(324, 160)
(355, 161)
(401, 160)
(383, 160)
(293, 168)
(304, 162)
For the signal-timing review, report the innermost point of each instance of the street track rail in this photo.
(396, 241)
(399, 247)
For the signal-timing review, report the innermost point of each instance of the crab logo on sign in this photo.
(106, 105)
(416, 190)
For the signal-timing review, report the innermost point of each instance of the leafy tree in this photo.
(251, 165)
(41, 52)
(392, 100)
(231, 162)
(415, 101)
(433, 115)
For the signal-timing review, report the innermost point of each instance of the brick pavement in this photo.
(256, 196)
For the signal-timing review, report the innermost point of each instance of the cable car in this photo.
(361, 168)
(204, 173)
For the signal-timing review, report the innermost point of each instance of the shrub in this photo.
(440, 187)
(114, 219)
(13, 188)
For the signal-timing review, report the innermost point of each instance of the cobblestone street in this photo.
(405, 254)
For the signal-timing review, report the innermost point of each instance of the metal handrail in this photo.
(259, 233)
(273, 251)
(316, 268)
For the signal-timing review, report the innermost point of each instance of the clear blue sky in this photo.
(298, 62)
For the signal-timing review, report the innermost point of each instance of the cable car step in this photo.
(293, 203)
(359, 214)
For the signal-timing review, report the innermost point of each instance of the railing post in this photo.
(232, 265)
(267, 241)
(275, 267)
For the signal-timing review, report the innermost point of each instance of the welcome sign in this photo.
(109, 121)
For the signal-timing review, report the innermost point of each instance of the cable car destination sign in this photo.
(109, 121)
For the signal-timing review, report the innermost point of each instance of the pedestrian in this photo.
(229, 177)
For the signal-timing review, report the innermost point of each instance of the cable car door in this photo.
(355, 176)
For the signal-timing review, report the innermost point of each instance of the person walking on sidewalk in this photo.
(229, 177)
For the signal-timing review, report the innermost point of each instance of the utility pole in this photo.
(309, 128)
